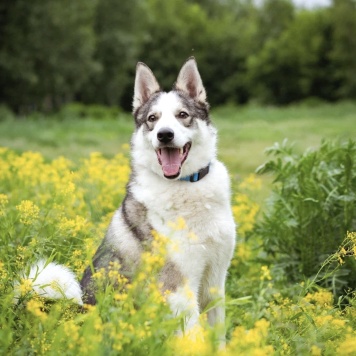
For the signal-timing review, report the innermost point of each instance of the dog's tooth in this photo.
(181, 151)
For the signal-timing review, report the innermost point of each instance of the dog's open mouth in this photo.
(172, 158)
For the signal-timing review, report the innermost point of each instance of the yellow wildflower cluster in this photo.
(3, 272)
(58, 204)
(323, 298)
(251, 183)
(108, 176)
(347, 248)
(71, 330)
(348, 346)
(244, 209)
(115, 276)
(314, 312)
(36, 307)
(72, 226)
(250, 341)
(193, 342)
(29, 212)
(3, 202)
(25, 286)
(265, 274)
(27, 165)
(63, 208)
(245, 213)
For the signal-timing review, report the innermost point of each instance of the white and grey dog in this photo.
(175, 173)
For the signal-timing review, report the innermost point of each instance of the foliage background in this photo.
(57, 51)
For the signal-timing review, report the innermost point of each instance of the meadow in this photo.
(61, 178)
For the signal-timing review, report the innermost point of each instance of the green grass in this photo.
(244, 132)
(46, 210)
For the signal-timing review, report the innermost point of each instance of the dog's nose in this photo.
(165, 135)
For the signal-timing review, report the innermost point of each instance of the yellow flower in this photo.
(323, 320)
(191, 343)
(29, 212)
(250, 342)
(72, 226)
(315, 351)
(348, 346)
(99, 274)
(243, 251)
(265, 274)
(3, 202)
(323, 298)
(25, 286)
(251, 183)
(245, 212)
(72, 333)
(338, 323)
(35, 306)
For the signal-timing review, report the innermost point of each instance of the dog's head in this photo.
(174, 136)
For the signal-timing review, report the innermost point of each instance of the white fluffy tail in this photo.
(51, 280)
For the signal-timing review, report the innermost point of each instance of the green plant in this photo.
(312, 206)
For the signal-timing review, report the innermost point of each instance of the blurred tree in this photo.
(343, 54)
(45, 52)
(118, 36)
(56, 51)
(174, 31)
(231, 38)
(218, 34)
(294, 65)
(274, 16)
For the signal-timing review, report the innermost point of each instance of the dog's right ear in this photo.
(145, 85)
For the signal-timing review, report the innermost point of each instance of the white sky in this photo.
(311, 3)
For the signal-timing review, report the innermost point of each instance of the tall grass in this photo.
(58, 208)
(244, 132)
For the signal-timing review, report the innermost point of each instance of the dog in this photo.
(174, 173)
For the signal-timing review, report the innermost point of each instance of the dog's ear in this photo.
(189, 81)
(145, 85)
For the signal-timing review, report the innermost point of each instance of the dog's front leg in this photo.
(181, 293)
(212, 298)
(184, 303)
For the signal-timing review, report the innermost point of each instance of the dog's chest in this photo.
(187, 210)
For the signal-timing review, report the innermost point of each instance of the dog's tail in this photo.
(50, 280)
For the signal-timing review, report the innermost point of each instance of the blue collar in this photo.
(197, 175)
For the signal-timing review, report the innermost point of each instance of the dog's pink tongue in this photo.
(171, 161)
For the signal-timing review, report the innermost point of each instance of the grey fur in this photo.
(134, 214)
(196, 109)
(105, 254)
(170, 277)
(142, 112)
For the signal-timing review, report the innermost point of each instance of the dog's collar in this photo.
(197, 175)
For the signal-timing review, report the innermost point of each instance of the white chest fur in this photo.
(204, 207)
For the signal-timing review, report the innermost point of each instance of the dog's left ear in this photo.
(189, 81)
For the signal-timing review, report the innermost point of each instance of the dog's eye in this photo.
(183, 115)
(151, 118)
